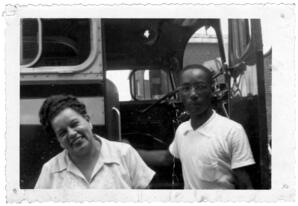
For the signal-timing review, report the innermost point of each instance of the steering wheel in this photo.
(159, 101)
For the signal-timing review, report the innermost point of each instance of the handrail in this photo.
(116, 110)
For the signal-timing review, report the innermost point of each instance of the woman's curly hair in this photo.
(53, 105)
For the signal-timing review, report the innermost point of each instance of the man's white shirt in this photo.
(209, 153)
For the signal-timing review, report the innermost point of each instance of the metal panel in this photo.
(30, 108)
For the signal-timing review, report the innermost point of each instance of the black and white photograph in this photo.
(147, 105)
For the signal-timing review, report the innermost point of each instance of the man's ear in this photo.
(87, 117)
(61, 145)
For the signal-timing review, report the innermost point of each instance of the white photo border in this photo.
(283, 100)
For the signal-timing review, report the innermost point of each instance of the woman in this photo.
(88, 160)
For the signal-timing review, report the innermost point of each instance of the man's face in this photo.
(73, 131)
(195, 91)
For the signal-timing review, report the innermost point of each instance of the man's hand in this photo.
(156, 157)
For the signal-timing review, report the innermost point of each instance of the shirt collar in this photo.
(106, 156)
(190, 129)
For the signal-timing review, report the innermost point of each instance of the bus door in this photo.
(143, 58)
(250, 92)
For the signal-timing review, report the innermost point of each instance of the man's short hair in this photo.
(53, 105)
(201, 67)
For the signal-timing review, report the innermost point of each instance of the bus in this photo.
(126, 72)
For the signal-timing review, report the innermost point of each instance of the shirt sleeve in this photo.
(44, 179)
(140, 174)
(241, 151)
(173, 148)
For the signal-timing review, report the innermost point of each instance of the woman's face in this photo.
(73, 131)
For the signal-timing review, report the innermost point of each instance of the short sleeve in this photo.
(140, 174)
(173, 148)
(241, 151)
(44, 179)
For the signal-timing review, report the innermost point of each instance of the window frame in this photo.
(39, 42)
(131, 87)
(94, 38)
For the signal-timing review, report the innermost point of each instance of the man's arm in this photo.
(156, 157)
(242, 178)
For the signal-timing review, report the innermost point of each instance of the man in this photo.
(213, 149)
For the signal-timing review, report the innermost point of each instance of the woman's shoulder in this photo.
(56, 163)
(115, 147)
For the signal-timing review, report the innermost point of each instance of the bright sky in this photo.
(120, 77)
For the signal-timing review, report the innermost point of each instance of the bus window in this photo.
(242, 59)
(150, 84)
(146, 84)
(203, 48)
(63, 42)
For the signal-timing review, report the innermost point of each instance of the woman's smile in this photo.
(74, 132)
(76, 142)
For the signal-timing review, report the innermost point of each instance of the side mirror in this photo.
(149, 84)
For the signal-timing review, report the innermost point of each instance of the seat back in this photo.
(112, 112)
